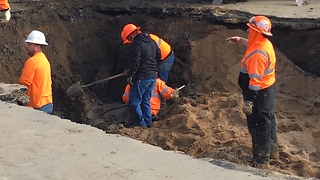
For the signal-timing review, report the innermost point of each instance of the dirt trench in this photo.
(85, 45)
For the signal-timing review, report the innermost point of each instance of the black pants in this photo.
(262, 124)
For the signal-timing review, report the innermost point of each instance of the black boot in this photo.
(254, 155)
(262, 161)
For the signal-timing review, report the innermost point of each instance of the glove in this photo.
(130, 80)
(176, 93)
(247, 107)
(5, 16)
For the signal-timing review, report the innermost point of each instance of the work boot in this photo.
(274, 149)
(155, 118)
(261, 166)
(262, 158)
(254, 156)
(251, 159)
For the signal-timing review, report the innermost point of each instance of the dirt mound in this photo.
(85, 45)
(207, 121)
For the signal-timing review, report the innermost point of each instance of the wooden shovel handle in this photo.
(103, 80)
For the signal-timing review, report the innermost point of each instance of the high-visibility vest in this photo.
(164, 47)
(160, 90)
(259, 63)
(4, 5)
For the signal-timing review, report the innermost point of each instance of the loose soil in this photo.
(206, 122)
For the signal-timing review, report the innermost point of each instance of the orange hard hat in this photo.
(261, 24)
(126, 31)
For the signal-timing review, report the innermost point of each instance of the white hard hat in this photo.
(36, 37)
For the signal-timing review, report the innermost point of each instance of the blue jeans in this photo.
(164, 67)
(139, 101)
(48, 108)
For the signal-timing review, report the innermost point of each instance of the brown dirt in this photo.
(84, 44)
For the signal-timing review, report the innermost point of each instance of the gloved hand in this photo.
(176, 93)
(247, 107)
(5, 16)
(126, 72)
(130, 80)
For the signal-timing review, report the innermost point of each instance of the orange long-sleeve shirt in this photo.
(160, 90)
(4, 5)
(36, 75)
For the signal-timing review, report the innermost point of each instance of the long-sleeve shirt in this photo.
(36, 75)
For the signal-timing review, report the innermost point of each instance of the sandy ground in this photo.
(35, 145)
(284, 8)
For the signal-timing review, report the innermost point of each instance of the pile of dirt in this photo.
(206, 122)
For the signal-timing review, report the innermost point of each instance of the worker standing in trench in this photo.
(5, 14)
(161, 90)
(141, 76)
(257, 82)
(167, 57)
(36, 74)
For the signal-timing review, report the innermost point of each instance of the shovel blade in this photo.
(96, 113)
(99, 112)
(216, 2)
(75, 90)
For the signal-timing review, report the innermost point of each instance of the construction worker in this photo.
(167, 55)
(5, 14)
(142, 73)
(160, 90)
(257, 82)
(36, 73)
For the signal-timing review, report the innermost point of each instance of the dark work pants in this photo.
(262, 124)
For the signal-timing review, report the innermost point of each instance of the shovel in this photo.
(216, 2)
(76, 90)
(99, 112)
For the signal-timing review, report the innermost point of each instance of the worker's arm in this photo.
(238, 40)
(27, 75)
(125, 96)
(165, 91)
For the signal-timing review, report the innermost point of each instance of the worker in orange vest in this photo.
(36, 74)
(257, 82)
(5, 14)
(167, 55)
(160, 90)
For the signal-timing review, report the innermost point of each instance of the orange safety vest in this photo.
(160, 90)
(164, 47)
(259, 63)
(36, 75)
(4, 5)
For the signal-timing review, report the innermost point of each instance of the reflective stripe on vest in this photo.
(126, 94)
(164, 91)
(257, 76)
(165, 48)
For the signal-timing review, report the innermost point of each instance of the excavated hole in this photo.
(105, 55)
